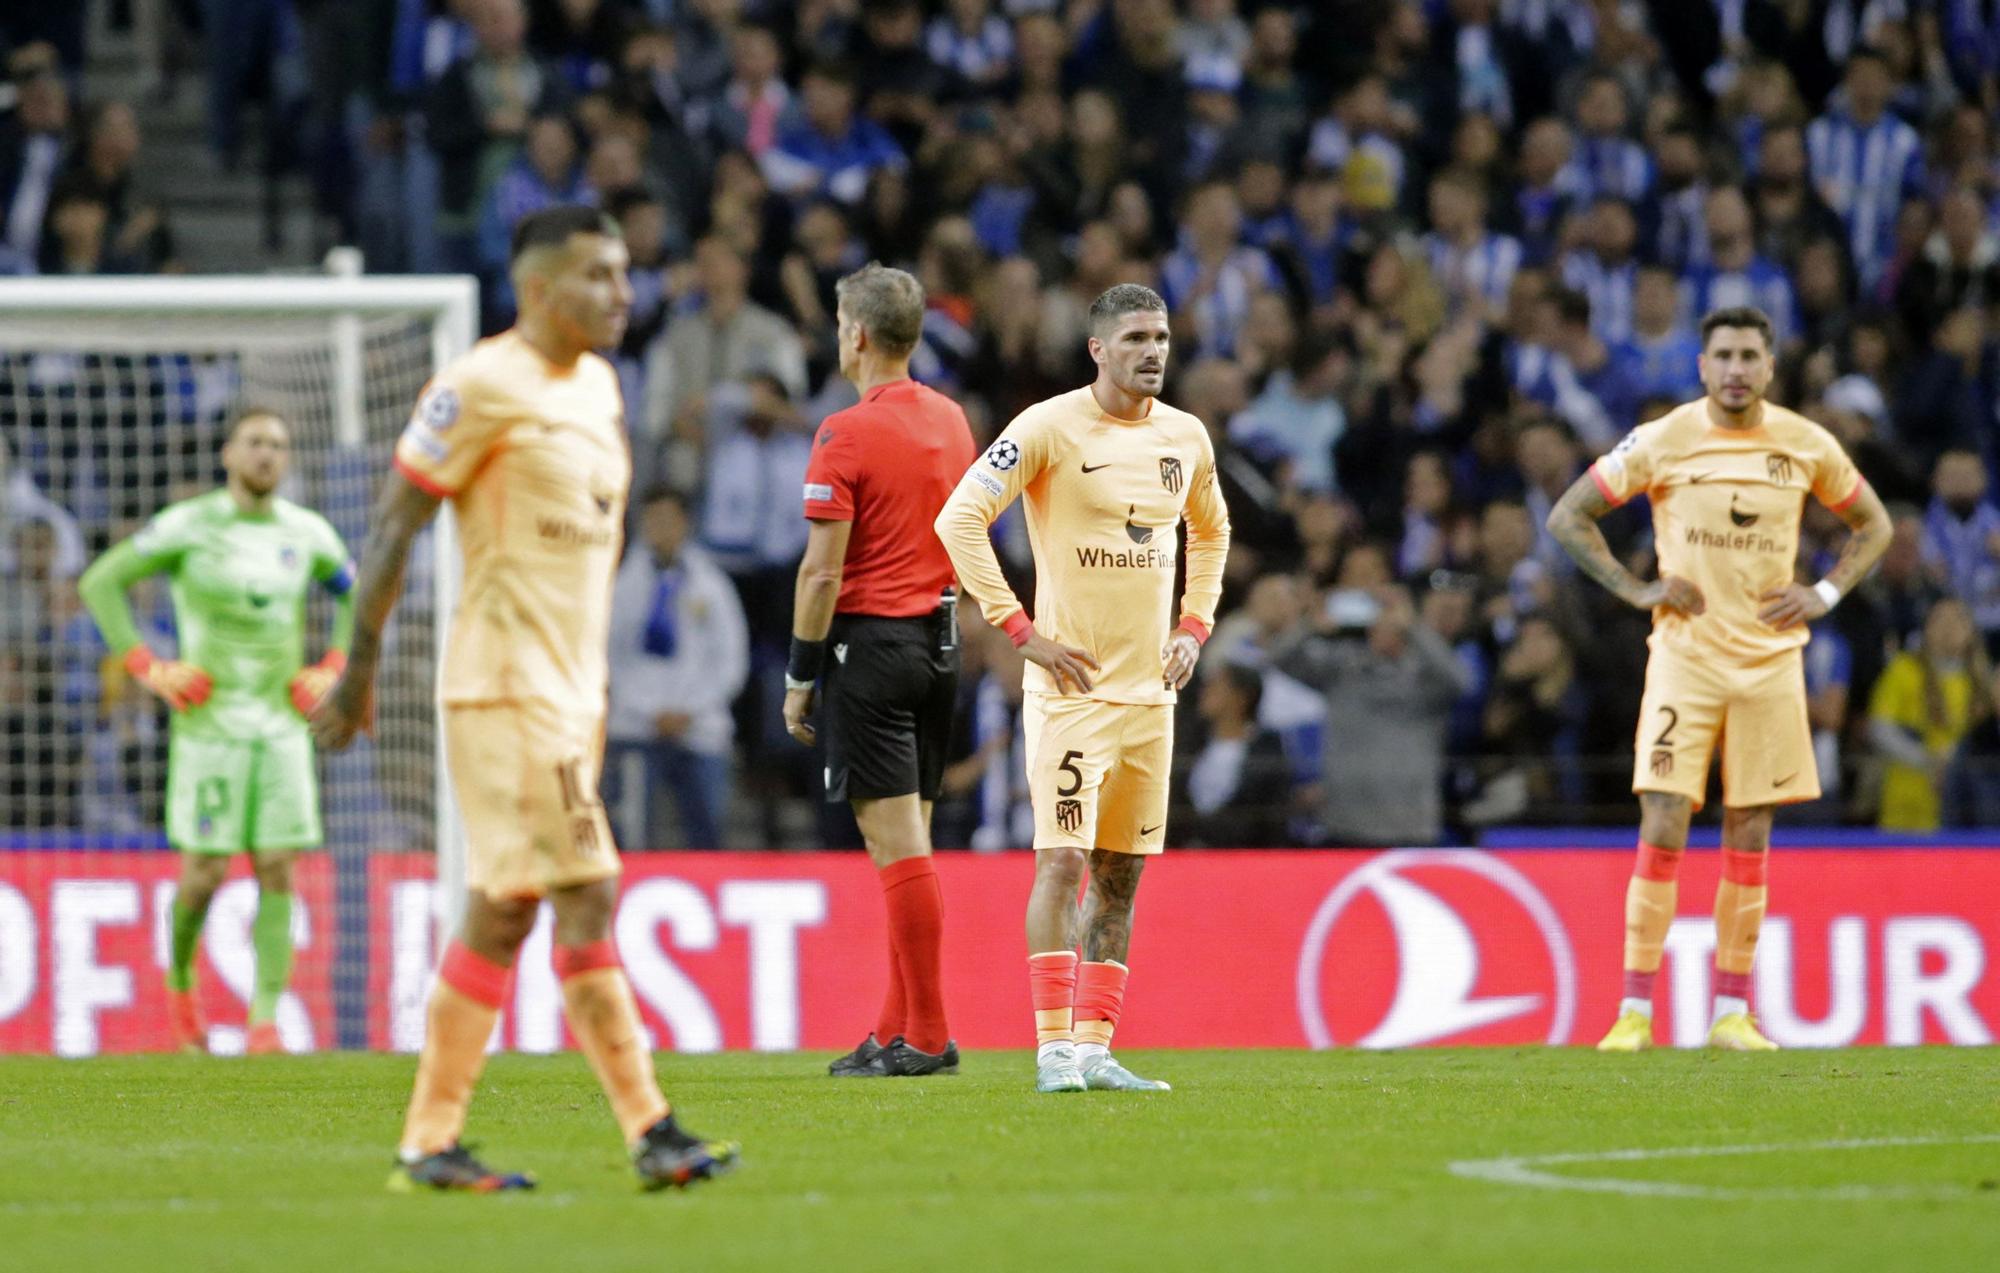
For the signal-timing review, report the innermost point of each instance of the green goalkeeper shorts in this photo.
(226, 796)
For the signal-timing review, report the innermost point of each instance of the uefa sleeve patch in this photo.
(438, 409)
(425, 443)
(818, 491)
(987, 480)
(1003, 455)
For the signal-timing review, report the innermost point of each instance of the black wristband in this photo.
(806, 660)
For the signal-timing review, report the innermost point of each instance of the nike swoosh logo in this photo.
(1779, 782)
(1092, 468)
(1146, 831)
(1701, 477)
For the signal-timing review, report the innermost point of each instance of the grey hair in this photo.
(888, 303)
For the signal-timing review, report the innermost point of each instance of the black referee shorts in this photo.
(887, 694)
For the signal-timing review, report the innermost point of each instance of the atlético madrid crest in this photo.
(1170, 473)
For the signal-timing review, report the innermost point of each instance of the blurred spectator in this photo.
(756, 99)
(581, 38)
(1680, 234)
(1663, 345)
(1960, 267)
(1605, 270)
(77, 239)
(1353, 140)
(1925, 703)
(1865, 161)
(137, 223)
(22, 503)
(1596, 393)
(1546, 452)
(1389, 683)
(1735, 274)
(1298, 419)
(1234, 788)
(478, 113)
(1790, 213)
(1533, 730)
(1548, 186)
(719, 337)
(1211, 277)
(973, 43)
(1608, 161)
(1474, 265)
(680, 654)
(825, 148)
(1902, 590)
(1004, 817)
(545, 173)
(1276, 98)
(34, 149)
(1962, 540)
(1829, 672)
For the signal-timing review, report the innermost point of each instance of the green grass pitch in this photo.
(1257, 1161)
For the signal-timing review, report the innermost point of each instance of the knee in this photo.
(274, 877)
(496, 927)
(583, 915)
(1060, 868)
(1746, 830)
(1663, 820)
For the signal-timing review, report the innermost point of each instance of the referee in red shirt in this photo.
(875, 587)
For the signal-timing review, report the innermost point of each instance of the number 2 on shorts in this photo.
(1666, 738)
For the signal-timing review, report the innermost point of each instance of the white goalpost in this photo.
(113, 396)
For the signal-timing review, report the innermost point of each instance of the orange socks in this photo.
(602, 1014)
(1740, 897)
(1650, 899)
(1052, 989)
(464, 1006)
(1100, 996)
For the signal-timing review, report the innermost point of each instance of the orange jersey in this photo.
(1105, 498)
(1726, 510)
(534, 460)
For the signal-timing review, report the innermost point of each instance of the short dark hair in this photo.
(1739, 316)
(888, 303)
(1120, 299)
(254, 411)
(662, 493)
(554, 227)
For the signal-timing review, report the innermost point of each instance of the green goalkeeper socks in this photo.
(186, 937)
(271, 933)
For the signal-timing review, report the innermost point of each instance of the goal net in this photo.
(114, 395)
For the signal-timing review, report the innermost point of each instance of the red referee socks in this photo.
(916, 936)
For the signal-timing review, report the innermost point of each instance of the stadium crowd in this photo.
(1425, 260)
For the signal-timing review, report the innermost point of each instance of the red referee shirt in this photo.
(888, 464)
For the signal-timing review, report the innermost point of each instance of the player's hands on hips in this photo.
(1671, 592)
(181, 685)
(312, 683)
(1179, 655)
(798, 706)
(347, 709)
(1064, 662)
(1791, 605)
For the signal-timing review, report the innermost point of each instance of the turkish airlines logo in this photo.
(1432, 946)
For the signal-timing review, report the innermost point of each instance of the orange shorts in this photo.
(525, 774)
(1756, 715)
(1097, 772)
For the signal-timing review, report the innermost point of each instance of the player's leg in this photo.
(1068, 749)
(1767, 760)
(1740, 897)
(604, 1017)
(207, 779)
(1680, 716)
(271, 938)
(281, 814)
(486, 751)
(1131, 825)
(472, 983)
(201, 874)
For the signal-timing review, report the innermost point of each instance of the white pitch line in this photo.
(1526, 1171)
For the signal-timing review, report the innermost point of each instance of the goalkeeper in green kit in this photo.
(240, 773)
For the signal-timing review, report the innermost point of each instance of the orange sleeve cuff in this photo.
(1018, 628)
(1195, 628)
(423, 482)
(1852, 495)
(1604, 486)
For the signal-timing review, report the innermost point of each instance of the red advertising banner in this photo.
(83, 948)
(1267, 949)
(1244, 949)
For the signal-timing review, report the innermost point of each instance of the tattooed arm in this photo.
(1573, 522)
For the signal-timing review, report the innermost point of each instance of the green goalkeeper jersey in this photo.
(239, 582)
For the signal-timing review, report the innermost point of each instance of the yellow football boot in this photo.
(1632, 1032)
(1738, 1032)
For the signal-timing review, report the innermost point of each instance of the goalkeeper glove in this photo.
(312, 683)
(182, 685)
